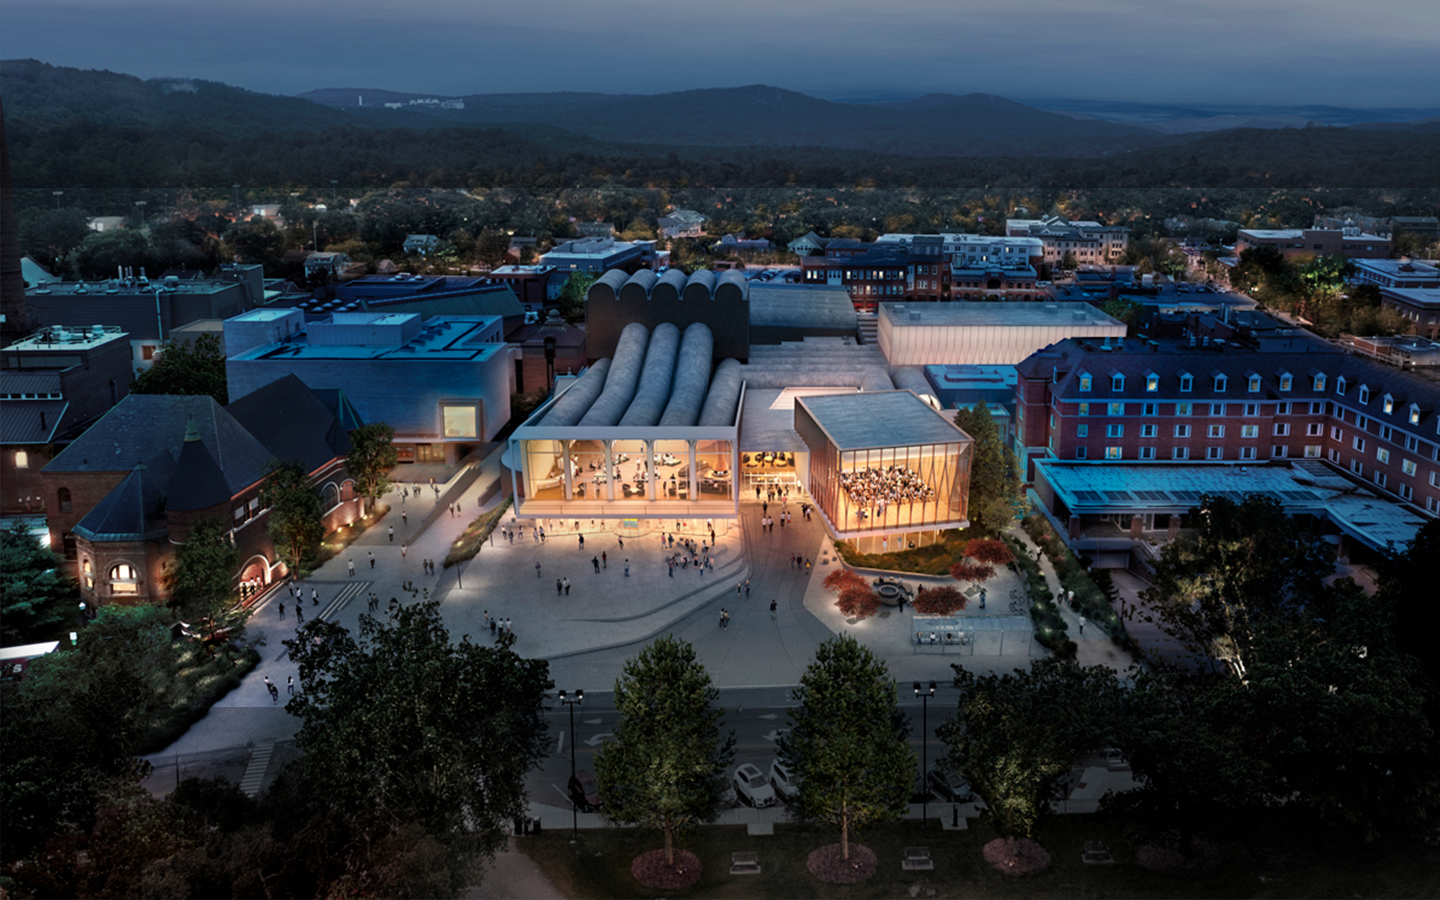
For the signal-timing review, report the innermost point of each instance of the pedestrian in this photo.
(671, 564)
(508, 628)
(299, 615)
(487, 618)
(772, 609)
(351, 563)
(627, 568)
(567, 587)
(595, 561)
(372, 558)
(622, 542)
(392, 534)
(404, 517)
(268, 683)
(274, 692)
(559, 587)
(282, 610)
(1082, 624)
(542, 534)
(722, 617)
(604, 560)
(402, 552)
(535, 535)
(738, 589)
(537, 568)
(290, 684)
(807, 565)
(314, 596)
(492, 627)
(582, 542)
(747, 587)
(1070, 598)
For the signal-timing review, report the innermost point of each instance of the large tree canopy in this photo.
(664, 766)
(848, 746)
(401, 723)
(34, 594)
(372, 457)
(995, 492)
(295, 522)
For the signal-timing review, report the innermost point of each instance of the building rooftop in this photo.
(58, 337)
(800, 305)
(440, 338)
(1405, 268)
(1092, 488)
(995, 315)
(859, 421)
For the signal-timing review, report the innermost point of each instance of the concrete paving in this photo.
(607, 616)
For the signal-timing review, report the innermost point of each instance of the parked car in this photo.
(585, 791)
(949, 785)
(783, 781)
(752, 787)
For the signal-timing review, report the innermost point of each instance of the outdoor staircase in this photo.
(867, 327)
(255, 770)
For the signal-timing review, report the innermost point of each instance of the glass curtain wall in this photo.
(892, 488)
(544, 464)
(591, 479)
(713, 460)
(671, 459)
(632, 473)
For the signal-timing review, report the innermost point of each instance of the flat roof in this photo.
(1419, 296)
(449, 338)
(767, 421)
(995, 315)
(801, 305)
(1308, 488)
(1403, 267)
(859, 421)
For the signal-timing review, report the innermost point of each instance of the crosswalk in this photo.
(350, 591)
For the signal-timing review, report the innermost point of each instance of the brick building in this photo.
(1147, 401)
(128, 490)
(1297, 242)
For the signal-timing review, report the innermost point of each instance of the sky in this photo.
(1380, 53)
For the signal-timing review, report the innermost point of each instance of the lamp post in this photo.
(141, 205)
(57, 198)
(572, 702)
(924, 696)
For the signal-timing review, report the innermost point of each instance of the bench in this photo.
(1097, 853)
(917, 859)
(744, 863)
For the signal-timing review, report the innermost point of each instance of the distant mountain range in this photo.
(1184, 118)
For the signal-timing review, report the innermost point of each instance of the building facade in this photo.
(1298, 242)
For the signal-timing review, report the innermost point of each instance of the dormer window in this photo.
(1219, 384)
(1414, 414)
(1340, 386)
(1152, 382)
(1117, 382)
(1187, 382)
(1085, 381)
(1319, 381)
(1388, 404)
(1253, 385)
(1285, 381)
(1364, 394)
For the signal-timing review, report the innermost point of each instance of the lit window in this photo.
(124, 579)
(1389, 404)
(1152, 381)
(1117, 409)
(1312, 451)
(1414, 414)
(459, 421)
(1408, 467)
(1112, 452)
(1382, 454)
(1215, 431)
(1082, 431)
(1285, 381)
(1254, 386)
(22, 459)
(1182, 409)
(1320, 382)
(1084, 409)
(1249, 431)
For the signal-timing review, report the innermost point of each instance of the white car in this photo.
(785, 784)
(669, 460)
(752, 787)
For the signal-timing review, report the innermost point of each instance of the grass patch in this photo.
(599, 865)
(190, 693)
(1050, 628)
(475, 534)
(935, 559)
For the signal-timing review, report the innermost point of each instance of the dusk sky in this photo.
(1338, 52)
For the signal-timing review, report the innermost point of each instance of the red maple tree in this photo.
(941, 601)
(857, 599)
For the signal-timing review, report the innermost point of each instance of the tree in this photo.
(257, 240)
(1191, 747)
(192, 368)
(664, 767)
(848, 744)
(104, 253)
(372, 458)
(940, 601)
(295, 521)
(1017, 736)
(979, 558)
(403, 729)
(1241, 563)
(1407, 580)
(1067, 262)
(995, 491)
(202, 580)
(49, 234)
(33, 591)
(1127, 311)
(572, 295)
(856, 596)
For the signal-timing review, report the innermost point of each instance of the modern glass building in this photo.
(886, 469)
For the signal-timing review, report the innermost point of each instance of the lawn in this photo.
(934, 559)
(599, 866)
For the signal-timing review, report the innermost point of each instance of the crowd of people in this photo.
(873, 488)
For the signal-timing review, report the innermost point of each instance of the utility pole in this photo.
(572, 702)
(924, 748)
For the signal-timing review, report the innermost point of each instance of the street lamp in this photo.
(141, 204)
(924, 696)
(573, 702)
(57, 198)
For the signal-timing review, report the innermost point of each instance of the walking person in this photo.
(595, 561)
(372, 558)
(772, 610)
(537, 568)
(282, 610)
(604, 560)
(392, 534)
(290, 684)
(1082, 624)
(582, 542)
(627, 568)
(299, 615)
(405, 517)
(314, 597)
(559, 587)
(747, 587)
(567, 587)
(351, 564)
(274, 691)
(402, 553)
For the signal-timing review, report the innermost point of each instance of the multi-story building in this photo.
(681, 223)
(1351, 242)
(1090, 242)
(1143, 401)
(54, 384)
(1396, 273)
(601, 255)
(442, 383)
(1420, 305)
(146, 310)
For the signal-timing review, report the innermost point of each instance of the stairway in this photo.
(867, 327)
(254, 777)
